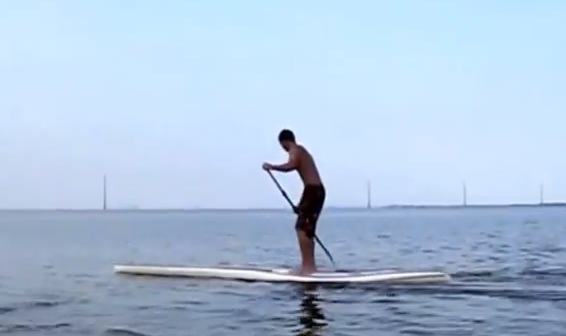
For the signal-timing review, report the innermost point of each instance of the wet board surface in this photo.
(284, 275)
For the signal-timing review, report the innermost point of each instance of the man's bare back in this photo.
(306, 167)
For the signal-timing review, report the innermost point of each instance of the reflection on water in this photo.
(311, 318)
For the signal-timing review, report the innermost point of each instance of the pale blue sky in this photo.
(180, 102)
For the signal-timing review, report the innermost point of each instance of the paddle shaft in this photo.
(297, 211)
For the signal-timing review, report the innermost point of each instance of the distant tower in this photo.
(541, 194)
(104, 192)
(369, 194)
(464, 194)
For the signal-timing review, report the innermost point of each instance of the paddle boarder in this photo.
(312, 199)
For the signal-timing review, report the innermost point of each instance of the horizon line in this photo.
(363, 208)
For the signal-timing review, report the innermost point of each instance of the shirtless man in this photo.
(312, 199)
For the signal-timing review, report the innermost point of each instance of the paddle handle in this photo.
(295, 209)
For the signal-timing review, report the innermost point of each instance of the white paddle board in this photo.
(285, 275)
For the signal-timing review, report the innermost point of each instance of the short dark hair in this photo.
(286, 135)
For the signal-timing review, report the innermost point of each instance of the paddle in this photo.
(296, 210)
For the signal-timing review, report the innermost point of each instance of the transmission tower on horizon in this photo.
(369, 194)
(104, 192)
(464, 194)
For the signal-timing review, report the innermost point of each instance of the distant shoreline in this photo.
(330, 208)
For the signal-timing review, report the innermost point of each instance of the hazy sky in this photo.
(180, 102)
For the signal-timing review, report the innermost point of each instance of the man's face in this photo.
(286, 145)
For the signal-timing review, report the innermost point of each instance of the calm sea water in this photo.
(508, 265)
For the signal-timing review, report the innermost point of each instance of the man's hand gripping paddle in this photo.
(296, 210)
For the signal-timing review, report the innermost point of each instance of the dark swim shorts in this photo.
(310, 208)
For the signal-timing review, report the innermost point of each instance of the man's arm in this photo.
(291, 165)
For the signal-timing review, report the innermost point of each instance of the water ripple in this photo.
(508, 269)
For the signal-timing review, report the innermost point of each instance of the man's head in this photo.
(287, 139)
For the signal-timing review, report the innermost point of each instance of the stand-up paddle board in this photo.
(285, 275)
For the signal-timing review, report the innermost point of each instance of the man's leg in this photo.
(307, 228)
(310, 206)
(306, 245)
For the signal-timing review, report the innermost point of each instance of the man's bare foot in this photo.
(308, 271)
(304, 271)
